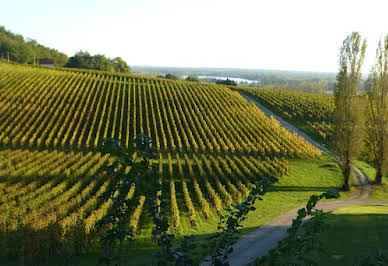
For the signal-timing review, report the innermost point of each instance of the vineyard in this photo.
(213, 146)
(310, 112)
(66, 110)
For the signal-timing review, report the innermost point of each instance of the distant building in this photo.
(46, 62)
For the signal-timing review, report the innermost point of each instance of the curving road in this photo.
(364, 189)
(258, 242)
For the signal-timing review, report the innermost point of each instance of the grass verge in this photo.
(355, 232)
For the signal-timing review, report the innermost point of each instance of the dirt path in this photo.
(258, 242)
(364, 189)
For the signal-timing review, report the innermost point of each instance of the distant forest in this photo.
(315, 82)
(16, 48)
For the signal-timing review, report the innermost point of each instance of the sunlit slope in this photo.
(313, 113)
(213, 147)
(44, 187)
(74, 110)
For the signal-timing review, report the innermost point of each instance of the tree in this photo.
(98, 62)
(226, 82)
(120, 65)
(171, 76)
(377, 111)
(192, 78)
(348, 107)
(80, 60)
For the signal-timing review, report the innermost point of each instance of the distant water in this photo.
(238, 80)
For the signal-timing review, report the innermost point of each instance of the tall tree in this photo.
(348, 107)
(377, 111)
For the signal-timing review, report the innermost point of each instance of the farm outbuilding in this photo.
(46, 62)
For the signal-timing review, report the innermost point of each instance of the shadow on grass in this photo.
(352, 237)
(143, 253)
(298, 188)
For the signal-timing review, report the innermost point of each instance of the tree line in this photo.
(15, 48)
(98, 62)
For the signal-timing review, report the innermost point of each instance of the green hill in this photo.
(213, 146)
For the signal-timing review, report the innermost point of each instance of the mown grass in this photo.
(355, 232)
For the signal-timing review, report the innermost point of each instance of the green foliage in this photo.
(302, 239)
(377, 111)
(97, 62)
(143, 176)
(312, 113)
(379, 258)
(171, 76)
(221, 242)
(320, 130)
(20, 50)
(146, 181)
(226, 82)
(119, 65)
(192, 78)
(348, 113)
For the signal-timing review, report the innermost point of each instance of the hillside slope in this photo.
(62, 109)
(312, 113)
(213, 146)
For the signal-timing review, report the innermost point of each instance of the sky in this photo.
(259, 34)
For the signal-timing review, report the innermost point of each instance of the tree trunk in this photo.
(346, 173)
(379, 176)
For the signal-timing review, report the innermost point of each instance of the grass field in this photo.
(355, 232)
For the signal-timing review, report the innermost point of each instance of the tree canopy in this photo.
(171, 76)
(226, 82)
(377, 111)
(98, 62)
(348, 108)
(192, 78)
(18, 49)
